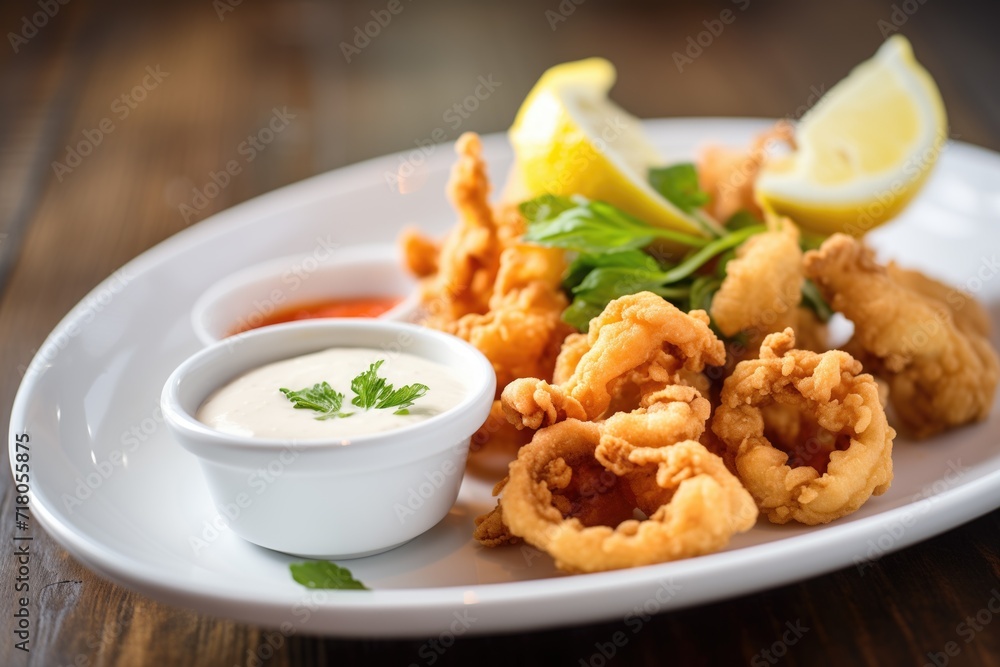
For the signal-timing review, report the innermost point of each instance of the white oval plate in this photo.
(113, 489)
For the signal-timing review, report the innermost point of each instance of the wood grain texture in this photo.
(64, 233)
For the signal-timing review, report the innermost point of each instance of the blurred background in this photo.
(116, 117)
(354, 88)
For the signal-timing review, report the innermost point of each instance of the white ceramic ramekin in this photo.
(243, 299)
(342, 498)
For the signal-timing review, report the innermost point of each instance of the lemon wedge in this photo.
(864, 150)
(570, 139)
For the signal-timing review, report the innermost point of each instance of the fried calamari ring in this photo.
(664, 417)
(632, 331)
(828, 387)
(702, 506)
(581, 489)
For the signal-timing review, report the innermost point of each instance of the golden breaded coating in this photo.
(573, 348)
(420, 254)
(728, 175)
(763, 285)
(470, 256)
(941, 368)
(970, 316)
(829, 389)
(664, 417)
(484, 286)
(630, 332)
(490, 530)
(522, 331)
(699, 504)
(575, 489)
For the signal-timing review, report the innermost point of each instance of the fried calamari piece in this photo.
(763, 284)
(586, 492)
(632, 331)
(969, 314)
(631, 389)
(664, 417)
(627, 390)
(490, 529)
(728, 175)
(420, 254)
(511, 225)
(573, 348)
(703, 503)
(485, 286)
(522, 330)
(845, 458)
(470, 256)
(460, 273)
(942, 370)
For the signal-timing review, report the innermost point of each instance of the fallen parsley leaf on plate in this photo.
(375, 392)
(320, 397)
(324, 574)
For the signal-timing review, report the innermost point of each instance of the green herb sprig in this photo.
(592, 226)
(371, 392)
(320, 397)
(678, 184)
(324, 574)
(613, 254)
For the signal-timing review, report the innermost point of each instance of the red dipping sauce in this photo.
(358, 307)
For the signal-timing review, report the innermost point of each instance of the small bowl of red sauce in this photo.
(366, 281)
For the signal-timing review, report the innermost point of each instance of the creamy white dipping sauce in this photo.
(252, 405)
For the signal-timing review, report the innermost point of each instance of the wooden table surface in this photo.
(167, 91)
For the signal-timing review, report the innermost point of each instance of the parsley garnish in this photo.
(679, 184)
(592, 226)
(324, 574)
(320, 397)
(613, 254)
(374, 392)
